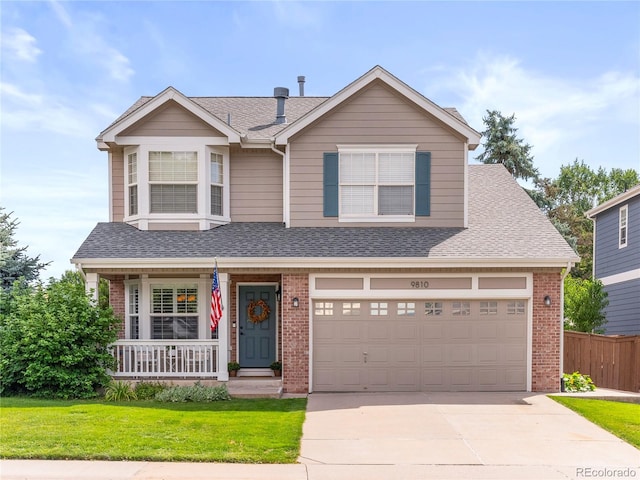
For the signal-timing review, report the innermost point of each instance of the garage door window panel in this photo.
(406, 308)
(351, 308)
(488, 308)
(433, 308)
(379, 309)
(516, 308)
(461, 308)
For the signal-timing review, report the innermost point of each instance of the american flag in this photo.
(216, 300)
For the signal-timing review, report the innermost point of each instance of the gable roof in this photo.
(517, 235)
(378, 73)
(617, 200)
(170, 93)
(253, 118)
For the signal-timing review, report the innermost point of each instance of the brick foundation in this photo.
(547, 329)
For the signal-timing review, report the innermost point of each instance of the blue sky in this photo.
(570, 71)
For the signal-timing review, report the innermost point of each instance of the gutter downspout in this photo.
(285, 181)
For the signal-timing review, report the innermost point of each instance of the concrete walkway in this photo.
(404, 436)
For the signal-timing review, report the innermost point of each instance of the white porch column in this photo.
(91, 284)
(224, 344)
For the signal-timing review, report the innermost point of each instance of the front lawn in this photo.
(239, 431)
(620, 418)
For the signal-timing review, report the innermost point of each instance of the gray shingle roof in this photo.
(504, 223)
(254, 116)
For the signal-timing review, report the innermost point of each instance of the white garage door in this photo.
(388, 346)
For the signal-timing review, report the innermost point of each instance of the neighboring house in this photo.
(616, 259)
(384, 262)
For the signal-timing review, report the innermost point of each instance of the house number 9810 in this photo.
(419, 284)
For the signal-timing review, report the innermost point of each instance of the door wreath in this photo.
(255, 317)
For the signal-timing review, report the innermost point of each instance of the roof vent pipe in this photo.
(281, 95)
(301, 84)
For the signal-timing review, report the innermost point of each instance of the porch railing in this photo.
(165, 358)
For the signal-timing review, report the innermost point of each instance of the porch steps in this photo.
(255, 387)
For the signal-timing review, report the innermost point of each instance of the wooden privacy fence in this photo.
(611, 361)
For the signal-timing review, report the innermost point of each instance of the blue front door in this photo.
(257, 325)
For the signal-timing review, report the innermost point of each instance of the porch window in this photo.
(134, 311)
(174, 312)
(173, 182)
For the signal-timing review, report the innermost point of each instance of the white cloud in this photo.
(61, 13)
(19, 44)
(555, 115)
(23, 110)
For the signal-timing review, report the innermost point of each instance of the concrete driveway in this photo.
(457, 435)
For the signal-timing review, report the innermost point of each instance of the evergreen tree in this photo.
(502, 146)
(14, 261)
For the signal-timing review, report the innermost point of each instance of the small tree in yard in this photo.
(584, 302)
(54, 340)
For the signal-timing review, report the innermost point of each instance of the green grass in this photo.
(238, 431)
(620, 418)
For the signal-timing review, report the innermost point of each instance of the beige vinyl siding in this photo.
(117, 185)
(378, 115)
(171, 120)
(256, 185)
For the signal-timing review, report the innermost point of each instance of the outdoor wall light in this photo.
(278, 294)
(547, 300)
(296, 302)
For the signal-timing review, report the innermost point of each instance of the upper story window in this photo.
(176, 181)
(623, 227)
(376, 183)
(132, 182)
(173, 182)
(217, 183)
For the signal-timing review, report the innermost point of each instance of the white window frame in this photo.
(204, 218)
(212, 184)
(175, 286)
(175, 155)
(131, 173)
(129, 314)
(376, 150)
(623, 226)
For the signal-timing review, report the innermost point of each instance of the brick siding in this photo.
(547, 328)
(116, 299)
(295, 333)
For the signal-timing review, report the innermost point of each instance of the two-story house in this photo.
(354, 243)
(616, 259)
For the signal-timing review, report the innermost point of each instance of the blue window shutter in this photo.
(330, 179)
(423, 184)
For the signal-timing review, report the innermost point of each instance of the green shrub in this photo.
(194, 393)
(148, 390)
(576, 382)
(119, 392)
(54, 340)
